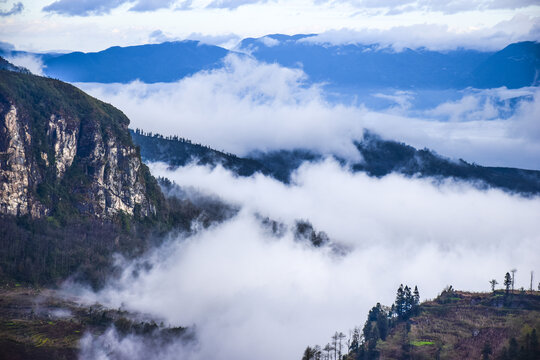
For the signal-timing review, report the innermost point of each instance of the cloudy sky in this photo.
(91, 25)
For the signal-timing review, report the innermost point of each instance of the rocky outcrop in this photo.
(14, 176)
(64, 140)
(63, 151)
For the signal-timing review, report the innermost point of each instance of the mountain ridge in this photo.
(340, 66)
(380, 158)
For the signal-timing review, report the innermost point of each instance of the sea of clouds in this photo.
(248, 105)
(249, 293)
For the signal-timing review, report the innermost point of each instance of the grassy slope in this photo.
(457, 327)
(30, 327)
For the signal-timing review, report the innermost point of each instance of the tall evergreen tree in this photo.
(400, 301)
(507, 282)
(355, 341)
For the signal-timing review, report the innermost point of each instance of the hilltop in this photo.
(455, 325)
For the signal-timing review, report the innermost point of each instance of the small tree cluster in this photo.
(363, 345)
(406, 304)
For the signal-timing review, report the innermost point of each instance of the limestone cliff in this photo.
(64, 152)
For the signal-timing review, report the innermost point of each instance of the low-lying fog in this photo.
(252, 294)
(248, 105)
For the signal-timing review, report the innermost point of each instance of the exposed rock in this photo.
(65, 143)
(63, 149)
(14, 175)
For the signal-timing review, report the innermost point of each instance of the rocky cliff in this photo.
(63, 152)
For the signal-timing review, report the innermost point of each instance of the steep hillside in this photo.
(515, 66)
(456, 325)
(179, 152)
(43, 324)
(462, 325)
(73, 188)
(382, 157)
(63, 151)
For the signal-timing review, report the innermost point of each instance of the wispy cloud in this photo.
(393, 7)
(437, 37)
(233, 4)
(15, 9)
(100, 7)
(28, 61)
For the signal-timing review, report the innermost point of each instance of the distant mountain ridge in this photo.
(165, 62)
(348, 66)
(380, 158)
(361, 65)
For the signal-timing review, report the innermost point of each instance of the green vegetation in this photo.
(501, 325)
(36, 99)
(28, 332)
(71, 241)
(42, 252)
(421, 343)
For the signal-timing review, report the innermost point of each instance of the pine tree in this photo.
(400, 301)
(416, 297)
(507, 282)
(409, 301)
(355, 341)
(308, 354)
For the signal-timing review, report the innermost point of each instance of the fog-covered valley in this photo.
(276, 292)
(243, 195)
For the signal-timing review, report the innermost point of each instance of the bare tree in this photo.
(317, 352)
(513, 271)
(334, 344)
(341, 336)
(328, 349)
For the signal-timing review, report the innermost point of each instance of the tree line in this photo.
(361, 344)
(179, 139)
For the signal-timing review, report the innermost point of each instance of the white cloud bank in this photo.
(252, 295)
(438, 37)
(30, 62)
(248, 106)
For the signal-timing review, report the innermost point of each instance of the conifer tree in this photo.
(400, 301)
(507, 282)
(355, 341)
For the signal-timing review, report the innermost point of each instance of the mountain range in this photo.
(380, 157)
(340, 67)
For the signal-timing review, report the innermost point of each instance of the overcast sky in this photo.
(91, 25)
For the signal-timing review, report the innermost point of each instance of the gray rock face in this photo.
(14, 173)
(71, 158)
